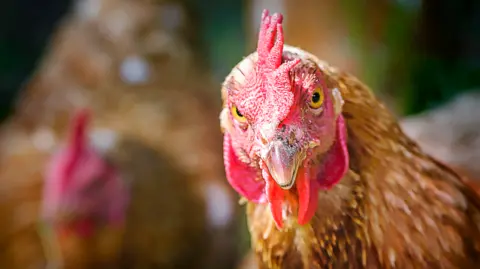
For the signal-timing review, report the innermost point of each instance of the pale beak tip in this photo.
(282, 163)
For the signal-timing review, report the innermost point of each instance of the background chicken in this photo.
(150, 97)
(84, 204)
(89, 213)
(331, 179)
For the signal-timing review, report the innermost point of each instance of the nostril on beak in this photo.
(266, 133)
(263, 140)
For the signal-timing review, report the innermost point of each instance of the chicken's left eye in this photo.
(237, 115)
(316, 100)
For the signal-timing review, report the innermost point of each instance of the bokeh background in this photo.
(416, 55)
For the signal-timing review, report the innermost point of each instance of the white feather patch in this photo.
(134, 70)
(103, 139)
(338, 101)
(224, 121)
(88, 9)
(44, 139)
(219, 204)
(172, 16)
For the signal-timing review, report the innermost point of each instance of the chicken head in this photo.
(82, 189)
(284, 135)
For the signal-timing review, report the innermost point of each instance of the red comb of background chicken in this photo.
(78, 139)
(80, 122)
(270, 83)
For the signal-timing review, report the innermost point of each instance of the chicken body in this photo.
(143, 86)
(395, 207)
(149, 240)
(20, 195)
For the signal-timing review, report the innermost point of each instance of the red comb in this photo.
(77, 141)
(270, 44)
(279, 96)
(80, 121)
(270, 84)
(270, 41)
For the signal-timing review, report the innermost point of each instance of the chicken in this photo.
(91, 222)
(329, 178)
(21, 177)
(84, 205)
(87, 220)
(139, 78)
(24, 168)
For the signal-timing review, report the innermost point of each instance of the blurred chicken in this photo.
(450, 133)
(331, 180)
(86, 203)
(129, 63)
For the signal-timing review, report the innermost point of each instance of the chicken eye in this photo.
(237, 115)
(316, 100)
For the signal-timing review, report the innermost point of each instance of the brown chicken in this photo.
(331, 180)
(153, 121)
(103, 206)
(95, 203)
(84, 204)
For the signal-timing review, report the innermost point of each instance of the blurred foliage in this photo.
(385, 58)
(222, 31)
(430, 50)
(447, 61)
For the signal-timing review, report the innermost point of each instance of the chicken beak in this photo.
(283, 161)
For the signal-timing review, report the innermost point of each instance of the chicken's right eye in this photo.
(317, 98)
(237, 115)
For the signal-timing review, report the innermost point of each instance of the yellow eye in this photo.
(316, 100)
(237, 115)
